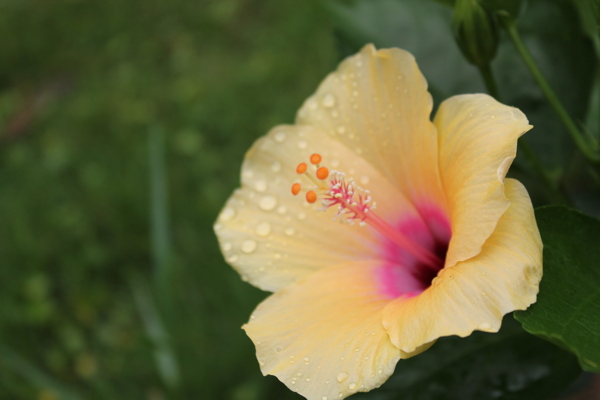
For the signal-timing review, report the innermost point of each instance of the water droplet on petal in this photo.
(278, 349)
(342, 376)
(260, 186)
(289, 231)
(341, 129)
(227, 214)
(248, 246)
(263, 229)
(352, 386)
(302, 144)
(267, 203)
(324, 398)
(380, 371)
(282, 209)
(485, 326)
(328, 100)
(301, 216)
(276, 166)
(364, 180)
(279, 137)
(232, 258)
(227, 246)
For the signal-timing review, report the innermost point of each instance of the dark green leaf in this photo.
(567, 311)
(510, 364)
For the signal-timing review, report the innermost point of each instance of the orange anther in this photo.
(301, 168)
(296, 188)
(311, 196)
(322, 173)
(315, 158)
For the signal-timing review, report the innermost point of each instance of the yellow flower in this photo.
(434, 241)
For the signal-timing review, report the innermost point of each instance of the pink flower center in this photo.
(413, 249)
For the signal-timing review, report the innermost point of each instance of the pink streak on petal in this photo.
(400, 273)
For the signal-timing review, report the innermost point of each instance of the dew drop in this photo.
(232, 258)
(328, 100)
(279, 137)
(324, 398)
(493, 116)
(301, 216)
(263, 229)
(380, 371)
(436, 281)
(282, 210)
(276, 166)
(267, 203)
(260, 186)
(289, 231)
(352, 386)
(335, 163)
(342, 376)
(261, 363)
(302, 144)
(277, 256)
(341, 129)
(227, 246)
(364, 180)
(278, 349)
(341, 395)
(355, 93)
(227, 214)
(485, 326)
(307, 379)
(248, 246)
(335, 114)
(312, 104)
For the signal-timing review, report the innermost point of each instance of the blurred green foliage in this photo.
(81, 85)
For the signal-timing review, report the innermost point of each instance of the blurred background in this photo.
(123, 125)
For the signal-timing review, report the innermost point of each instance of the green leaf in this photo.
(567, 311)
(510, 364)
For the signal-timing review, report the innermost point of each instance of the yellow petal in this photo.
(274, 238)
(475, 294)
(478, 141)
(377, 104)
(323, 336)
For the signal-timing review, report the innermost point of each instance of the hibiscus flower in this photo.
(429, 240)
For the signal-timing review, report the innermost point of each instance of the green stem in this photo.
(492, 88)
(490, 82)
(589, 150)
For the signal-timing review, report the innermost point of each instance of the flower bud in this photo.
(475, 31)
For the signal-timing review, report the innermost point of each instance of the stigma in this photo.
(354, 204)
